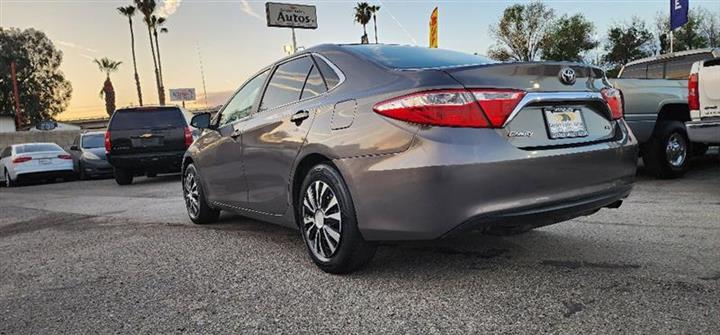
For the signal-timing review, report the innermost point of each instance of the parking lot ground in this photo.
(89, 256)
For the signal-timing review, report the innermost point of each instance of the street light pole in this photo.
(294, 41)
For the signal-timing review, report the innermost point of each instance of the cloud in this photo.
(86, 56)
(245, 7)
(168, 7)
(75, 46)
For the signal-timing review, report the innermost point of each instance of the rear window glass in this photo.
(637, 71)
(407, 57)
(36, 147)
(93, 141)
(126, 119)
(331, 78)
(655, 70)
(679, 68)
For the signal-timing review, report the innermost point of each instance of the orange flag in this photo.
(434, 28)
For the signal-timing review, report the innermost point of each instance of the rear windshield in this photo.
(407, 57)
(93, 141)
(126, 119)
(36, 147)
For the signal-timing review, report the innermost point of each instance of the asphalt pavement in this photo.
(93, 257)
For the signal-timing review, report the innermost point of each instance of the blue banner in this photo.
(678, 13)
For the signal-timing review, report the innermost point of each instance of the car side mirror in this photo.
(74, 147)
(201, 121)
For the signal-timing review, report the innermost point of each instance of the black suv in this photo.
(147, 141)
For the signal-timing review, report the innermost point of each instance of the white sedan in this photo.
(19, 162)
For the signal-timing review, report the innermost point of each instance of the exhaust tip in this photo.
(615, 204)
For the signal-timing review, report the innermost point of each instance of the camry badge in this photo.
(146, 136)
(567, 76)
(520, 133)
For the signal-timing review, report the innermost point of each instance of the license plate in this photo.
(44, 161)
(565, 122)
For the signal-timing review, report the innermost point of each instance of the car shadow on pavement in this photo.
(141, 180)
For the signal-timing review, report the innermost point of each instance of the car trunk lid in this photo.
(563, 105)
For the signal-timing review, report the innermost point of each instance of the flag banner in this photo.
(434, 28)
(678, 13)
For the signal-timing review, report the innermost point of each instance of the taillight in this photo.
(22, 159)
(108, 144)
(498, 104)
(613, 98)
(188, 137)
(64, 156)
(453, 108)
(693, 89)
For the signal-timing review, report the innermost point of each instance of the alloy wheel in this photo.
(192, 197)
(676, 150)
(322, 220)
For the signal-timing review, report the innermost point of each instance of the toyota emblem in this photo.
(567, 76)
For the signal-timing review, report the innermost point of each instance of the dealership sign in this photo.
(291, 16)
(182, 94)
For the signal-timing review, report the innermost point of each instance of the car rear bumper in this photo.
(704, 131)
(97, 167)
(157, 161)
(40, 175)
(448, 184)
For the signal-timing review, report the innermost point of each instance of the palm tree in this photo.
(159, 22)
(108, 66)
(373, 10)
(362, 16)
(129, 12)
(147, 7)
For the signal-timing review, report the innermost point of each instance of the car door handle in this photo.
(236, 133)
(299, 117)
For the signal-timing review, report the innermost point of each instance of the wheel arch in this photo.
(301, 169)
(674, 112)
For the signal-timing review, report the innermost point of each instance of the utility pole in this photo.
(202, 74)
(294, 41)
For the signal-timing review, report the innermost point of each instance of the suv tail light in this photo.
(693, 89)
(22, 159)
(453, 108)
(108, 144)
(188, 137)
(613, 98)
(64, 156)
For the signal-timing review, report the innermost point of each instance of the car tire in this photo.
(330, 229)
(8, 181)
(667, 151)
(199, 211)
(123, 177)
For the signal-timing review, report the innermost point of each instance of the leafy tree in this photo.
(129, 12)
(710, 27)
(363, 16)
(374, 10)
(108, 66)
(520, 32)
(44, 92)
(568, 39)
(687, 37)
(147, 8)
(627, 42)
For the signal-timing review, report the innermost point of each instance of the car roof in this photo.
(93, 133)
(673, 55)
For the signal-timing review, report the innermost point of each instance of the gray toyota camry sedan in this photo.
(358, 144)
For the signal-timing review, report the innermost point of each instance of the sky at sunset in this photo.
(235, 41)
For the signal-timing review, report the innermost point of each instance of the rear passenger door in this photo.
(273, 136)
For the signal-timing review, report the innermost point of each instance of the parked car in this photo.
(704, 102)
(356, 144)
(655, 90)
(88, 152)
(147, 141)
(34, 161)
